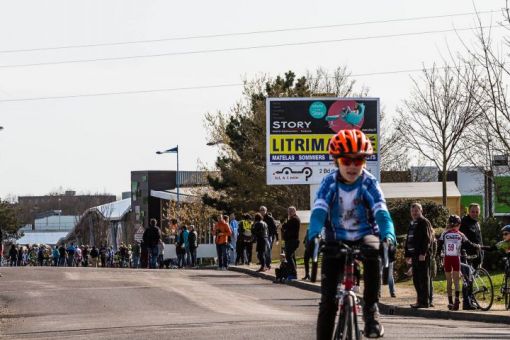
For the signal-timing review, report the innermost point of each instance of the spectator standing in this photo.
(417, 253)
(244, 241)
(40, 256)
(55, 254)
(20, 257)
(187, 254)
(174, 230)
(144, 254)
(78, 256)
(290, 235)
(85, 254)
(470, 227)
(13, 256)
(151, 238)
(234, 226)
(259, 230)
(94, 255)
(309, 247)
(193, 245)
(272, 233)
(135, 250)
(70, 254)
(103, 253)
(62, 255)
(222, 230)
(161, 254)
(180, 250)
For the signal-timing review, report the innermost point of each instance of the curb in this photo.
(442, 314)
(298, 284)
(389, 309)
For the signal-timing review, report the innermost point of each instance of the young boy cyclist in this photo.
(450, 242)
(504, 245)
(350, 206)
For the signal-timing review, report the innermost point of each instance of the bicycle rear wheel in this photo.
(483, 290)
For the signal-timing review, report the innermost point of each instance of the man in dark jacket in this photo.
(470, 227)
(272, 233)
(151, 238)
(193, 245)
(260, 231)
(417, 253)
(290, 234)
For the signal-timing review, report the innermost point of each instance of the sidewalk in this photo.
(401, 304)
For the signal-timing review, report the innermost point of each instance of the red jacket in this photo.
(223, 231)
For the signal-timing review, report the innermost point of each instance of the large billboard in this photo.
(298, 132)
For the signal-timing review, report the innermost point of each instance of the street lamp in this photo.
(174, 150)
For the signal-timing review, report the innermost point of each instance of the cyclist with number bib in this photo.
(450, 242)
(351, 208)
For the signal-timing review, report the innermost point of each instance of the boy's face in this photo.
(350, 167)
(506, 236)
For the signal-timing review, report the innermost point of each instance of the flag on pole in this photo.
(176, 149)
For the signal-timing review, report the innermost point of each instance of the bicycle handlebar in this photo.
(320, 246)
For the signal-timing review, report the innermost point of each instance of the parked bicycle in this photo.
(349, 306)
(479, 283)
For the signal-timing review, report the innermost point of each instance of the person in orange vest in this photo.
(223, 232)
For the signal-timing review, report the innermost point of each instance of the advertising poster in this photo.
(299, 130)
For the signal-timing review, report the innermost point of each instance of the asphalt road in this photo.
(86, 303)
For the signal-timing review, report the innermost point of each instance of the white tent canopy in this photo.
(419, 190)
(114, 211)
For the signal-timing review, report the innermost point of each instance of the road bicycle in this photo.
(482, 289)
(505, 288)
(349, 306)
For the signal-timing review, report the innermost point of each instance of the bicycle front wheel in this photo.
(483, 290)
(347, 325)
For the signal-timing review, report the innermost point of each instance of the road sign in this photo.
(139, 234)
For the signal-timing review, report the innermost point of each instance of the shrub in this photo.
(491, 234)
(400, 213)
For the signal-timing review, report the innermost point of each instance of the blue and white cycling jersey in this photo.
(353, 210)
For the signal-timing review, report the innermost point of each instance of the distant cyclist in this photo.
(450, 243)
(351, 207)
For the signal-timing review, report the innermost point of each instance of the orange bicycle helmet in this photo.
(350, 142)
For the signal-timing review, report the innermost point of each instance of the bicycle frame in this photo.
(346, 296)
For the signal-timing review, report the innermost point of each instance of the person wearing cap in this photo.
(504, 245)
(451, 242)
